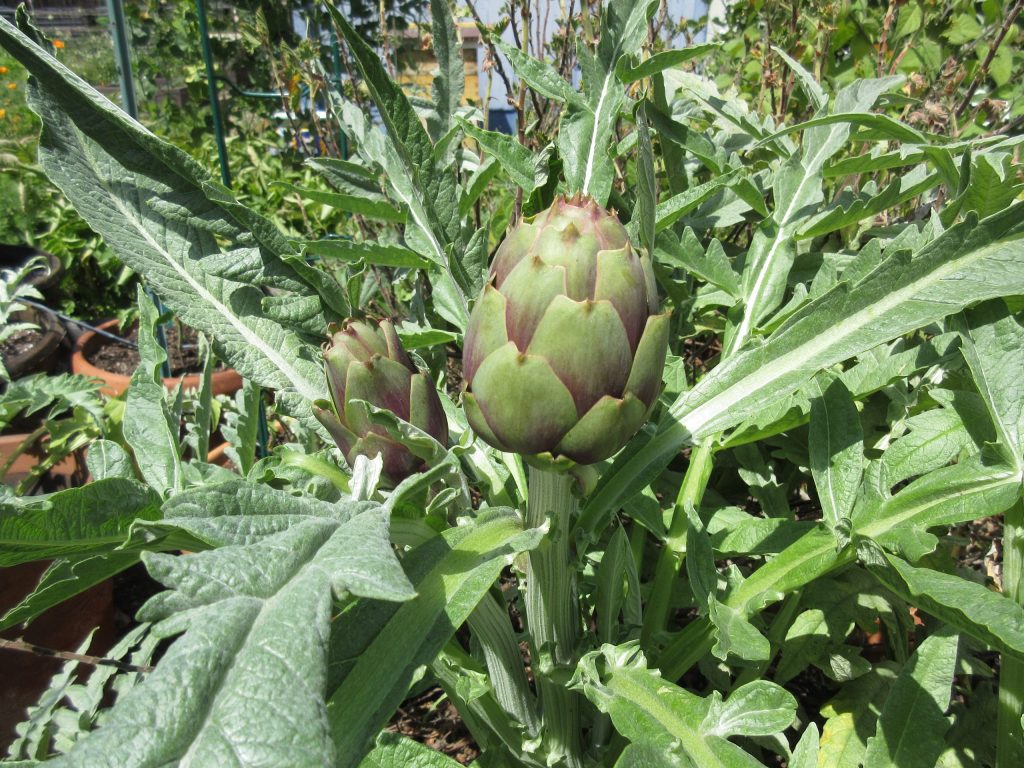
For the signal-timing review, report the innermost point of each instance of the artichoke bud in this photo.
(369, 363)
(565, 347)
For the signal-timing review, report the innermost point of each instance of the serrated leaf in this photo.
(539, 75)
(712, 266)
(969, 262)
(378, 254)
(759, 708)
(647, 185)
(91, 149)
(64, 579)
(920, 696)
(934, 439)
(373, 663)
(836, 445)
(659, 62)
(249, 615)
(648, 709)
(989, 616)
(92, 519)
(993, 345)
(515, 159)
(586, 132)
(735, 636)
(151, 424)
(449, 83)
(108, 459)
(395, 751)
(380, 210)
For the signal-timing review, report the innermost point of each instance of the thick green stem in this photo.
(1009, 734)
(691, 492)
(552, 614)
(492, 628)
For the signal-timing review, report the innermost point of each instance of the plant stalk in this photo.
(695, 481)
(552, 614)
(1009, 733)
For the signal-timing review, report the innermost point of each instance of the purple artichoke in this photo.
(565, 347)
(367, 363)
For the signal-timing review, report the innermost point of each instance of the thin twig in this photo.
(498, 65)
(983, 72)
(96, 661)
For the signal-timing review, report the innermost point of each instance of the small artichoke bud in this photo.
(565, 347)
(370, 364)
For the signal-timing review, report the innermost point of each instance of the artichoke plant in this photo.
(565, 347)
(370, 364)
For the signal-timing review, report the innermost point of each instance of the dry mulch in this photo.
(431, 719)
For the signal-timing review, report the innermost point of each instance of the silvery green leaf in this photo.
(513, 158)
(108, 459)
(992, 617)
(539, 75)
(374, 661)
(811, 88)
(65, 578)
(759, 708)
(586, 131)
(969, 262)
(366, 476)
(378, 254)
(659, 62)
(395, 751)
(919, 696)
(449, 83)
(248, 616)
(648, 709)
(240, 426)
(993, 345)
(712, 266)
(371, 208)
(735, 635)
(647, 183)
(806, 753)
(798, 192)
(934, 439)
(93, 150)
(78, 521)
(836, 445)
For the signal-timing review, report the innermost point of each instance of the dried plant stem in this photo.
(992, 49)
(96, 661)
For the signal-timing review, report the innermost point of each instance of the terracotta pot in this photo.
(218, 456)
(42, 356)
(63, 628)
(225, 382)
(9, 443)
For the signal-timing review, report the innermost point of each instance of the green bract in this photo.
(369, 364)
(565, 347)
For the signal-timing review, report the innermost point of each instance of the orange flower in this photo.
(12, 86)
(3, 70)
(58, 44)
(3, 114)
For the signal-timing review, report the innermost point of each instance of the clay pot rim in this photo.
(225, 382)
(51, 335)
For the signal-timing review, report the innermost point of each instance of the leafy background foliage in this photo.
(843, 393)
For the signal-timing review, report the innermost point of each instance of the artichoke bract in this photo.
(565, 347)
(370, 364)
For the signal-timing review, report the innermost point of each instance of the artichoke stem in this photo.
(1009, 736)
(691, 492)
(552, 614)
